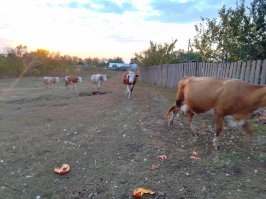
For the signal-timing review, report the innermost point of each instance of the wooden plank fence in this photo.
(168, 75)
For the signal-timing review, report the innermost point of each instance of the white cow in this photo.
(49, 81)
(97, 80)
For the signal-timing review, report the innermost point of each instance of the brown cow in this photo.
(130, 79)
(72, 80)
(231, 100)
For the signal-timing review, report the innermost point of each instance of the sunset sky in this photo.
(102, 28)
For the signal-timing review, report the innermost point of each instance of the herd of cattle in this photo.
(129, 78)
(230, 100)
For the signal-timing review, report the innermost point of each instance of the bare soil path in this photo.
(111, 143)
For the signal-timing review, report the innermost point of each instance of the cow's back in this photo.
(200, 94)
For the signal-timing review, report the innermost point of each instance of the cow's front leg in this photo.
(99, 86)
(194, 130)
(172, 112)
(170, 119)
(128, 91)
(171, 116)
(248, 135)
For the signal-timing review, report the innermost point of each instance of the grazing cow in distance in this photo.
(231, 100)
(50, 81)
(98, 79)
(130, 79)
(72, 80)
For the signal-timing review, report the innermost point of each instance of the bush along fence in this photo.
(168, 75)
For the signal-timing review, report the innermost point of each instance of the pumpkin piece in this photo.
(138, 193)
(64, 169)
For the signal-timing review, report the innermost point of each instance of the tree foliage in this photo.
(187, 56)
(258, 26)
(156, 54)
(115, 60)
(40, 62)
(238, 34)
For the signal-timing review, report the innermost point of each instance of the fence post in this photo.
(247, 71)
(238, 70)
(252, 72)
(257, 72)
(243, 69)
(263, 73)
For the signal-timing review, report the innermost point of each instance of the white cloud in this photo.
(85, 33)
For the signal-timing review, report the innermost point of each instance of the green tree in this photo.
(115, 60)
(186, 56)
(15, 60)
(204, 41)
(237, 35)
(40, 62)
(258, 27)
(156, 54)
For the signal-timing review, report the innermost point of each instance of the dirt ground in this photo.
(111, 143)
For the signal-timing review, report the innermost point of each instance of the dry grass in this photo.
(111, 143)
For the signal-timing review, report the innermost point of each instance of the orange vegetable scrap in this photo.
(153, 167)
(162, 157)
(195, 156)
(64, 169)
(138, 193)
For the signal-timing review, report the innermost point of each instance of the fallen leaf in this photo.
(138, 193)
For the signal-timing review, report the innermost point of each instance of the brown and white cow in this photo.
(97, 80)
(72, 80)
(50, 81)
(231, 100)
(130, 79)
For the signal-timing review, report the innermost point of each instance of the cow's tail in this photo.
(172, 110)
(179, 99)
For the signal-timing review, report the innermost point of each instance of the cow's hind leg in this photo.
(218, 130)
(192, 127)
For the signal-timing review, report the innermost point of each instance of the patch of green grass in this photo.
(35, 121)
(224, 158)
(258, 129)
(232, 157)
(217, 165)
(25, 82)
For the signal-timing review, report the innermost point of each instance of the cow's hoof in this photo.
(170, 123)
(217, 148)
